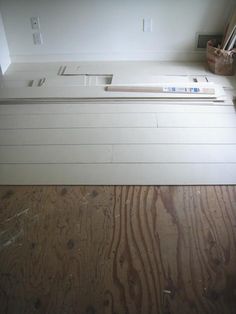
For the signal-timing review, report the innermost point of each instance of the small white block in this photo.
(35, 22)
(147, 25)
(37, 38)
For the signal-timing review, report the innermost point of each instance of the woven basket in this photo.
(219, 61)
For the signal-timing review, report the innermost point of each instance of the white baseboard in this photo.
(116, 56)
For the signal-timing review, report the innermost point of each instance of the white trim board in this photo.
(119, 174)
(119, 106)
(118, 120)
(52, 121)
(118, 154)
(90, 136)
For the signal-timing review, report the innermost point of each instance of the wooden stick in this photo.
(158, 89)
(229, 31)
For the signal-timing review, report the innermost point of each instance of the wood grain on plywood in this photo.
(109, 250)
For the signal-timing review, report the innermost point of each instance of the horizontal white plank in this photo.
(118, 136)
(77, 121)
(174, 153)
(168, 120)
(118, 107)
(119, 154)
(95, 92)
(56, 154)
(196, 120)
(134, 174)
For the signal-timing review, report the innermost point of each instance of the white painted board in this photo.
(196, 120)
(118, 136)
(119, 106)
(121, 174)
(77, 121)
(54, 154)
(174, 154)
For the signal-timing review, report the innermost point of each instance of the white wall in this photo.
(4, 52)
(111, 29)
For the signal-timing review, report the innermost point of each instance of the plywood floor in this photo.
(118, 250)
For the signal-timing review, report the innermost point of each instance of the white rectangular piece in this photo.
(37, 38)
(77, 121)
(56, 154)
(147, 25)
(69, 70)
(174, 154)
(196, 120)
(118, 136)
(35, 24)
(121, 174)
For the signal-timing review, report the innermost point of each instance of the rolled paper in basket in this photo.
(220, 61)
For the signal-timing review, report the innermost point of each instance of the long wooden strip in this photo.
(77, 121)
(56, 154)
(118, 136)
(135, 174)
(197, 120)
(166, 90)
(174, 153)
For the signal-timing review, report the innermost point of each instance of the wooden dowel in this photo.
(158, 89)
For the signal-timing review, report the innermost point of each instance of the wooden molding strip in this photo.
(166, 90)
